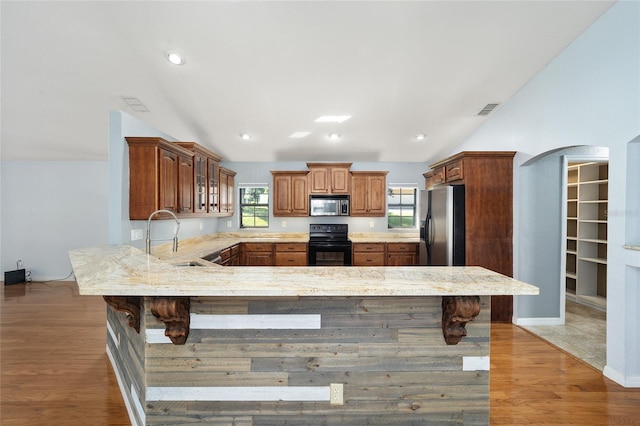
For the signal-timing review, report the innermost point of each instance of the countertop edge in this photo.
(128, 271)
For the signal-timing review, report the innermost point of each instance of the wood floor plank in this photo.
(54, 369)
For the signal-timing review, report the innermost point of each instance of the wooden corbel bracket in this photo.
(457, 311)
(130, 305)
(174, 312)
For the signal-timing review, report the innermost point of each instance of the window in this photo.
(401, 206)
(254, 207)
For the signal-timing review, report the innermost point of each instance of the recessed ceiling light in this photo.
(245, 136)
(420, 137)
(298, 135)
(175, 58)
(334, 136)
(332, 118)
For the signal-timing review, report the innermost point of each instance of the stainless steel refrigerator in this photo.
(442, 226)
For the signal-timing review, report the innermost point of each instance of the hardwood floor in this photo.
(54, 370)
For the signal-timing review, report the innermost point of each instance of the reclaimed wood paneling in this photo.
(127, 355)
(389, 353)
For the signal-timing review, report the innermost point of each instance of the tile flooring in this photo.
(583, 335)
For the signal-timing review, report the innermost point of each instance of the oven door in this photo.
(330, 254)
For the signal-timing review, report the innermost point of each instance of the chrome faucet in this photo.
(175, 234)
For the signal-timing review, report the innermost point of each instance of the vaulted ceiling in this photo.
(269, 69)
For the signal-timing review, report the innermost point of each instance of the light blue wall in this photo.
(588, 95)
(541, 235)
(49, 208)
(254, 172)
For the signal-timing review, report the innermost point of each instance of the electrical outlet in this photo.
(284, 223)
(136, 234)
(201, 226)
(372, 224)
(336, 396)
(229, 224)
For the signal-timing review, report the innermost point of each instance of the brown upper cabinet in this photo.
(428, 180)
(488, 180)
(213, 186)
(227, 185)
(205, 178)
(161, 177)
(438, 175)
(329, 178)
(290, 193)
(368, 193)
(182, 177)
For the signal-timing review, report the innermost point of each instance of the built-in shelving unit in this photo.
(586, 239)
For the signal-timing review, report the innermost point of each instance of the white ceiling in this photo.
(270, 69)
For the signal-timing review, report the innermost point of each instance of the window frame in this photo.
(401, 206)
(241, 204)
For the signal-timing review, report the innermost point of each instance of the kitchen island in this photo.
(295, 345)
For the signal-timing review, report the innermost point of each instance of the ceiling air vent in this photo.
(135, 104)
(486, 110)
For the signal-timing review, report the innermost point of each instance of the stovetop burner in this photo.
(328, 232)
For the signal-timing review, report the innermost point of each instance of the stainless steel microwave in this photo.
(328, 205)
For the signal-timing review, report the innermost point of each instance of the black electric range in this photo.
(329, 245)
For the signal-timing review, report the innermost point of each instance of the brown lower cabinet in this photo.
(385, 254)
(402, 254)
(296, 254)
(256, 254)
(291, 254)
(368, 254)
(230, 256)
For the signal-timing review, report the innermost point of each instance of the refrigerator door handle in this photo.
(431, 230)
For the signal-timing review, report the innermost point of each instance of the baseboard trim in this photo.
(616, 376)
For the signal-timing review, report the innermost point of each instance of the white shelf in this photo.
(589, 240)
(594, 182)
(594, 260)
(586, 246)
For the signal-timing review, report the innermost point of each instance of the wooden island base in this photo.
(272, 361)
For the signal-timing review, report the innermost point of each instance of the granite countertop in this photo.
(384, 237)
(194, 249)
(127, 271)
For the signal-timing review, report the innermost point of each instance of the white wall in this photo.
(588, 95)
(49, 208)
